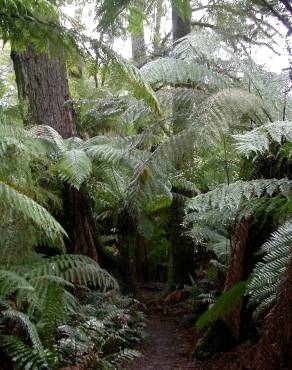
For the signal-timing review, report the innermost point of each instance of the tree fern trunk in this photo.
(127, 246)
(236, 270)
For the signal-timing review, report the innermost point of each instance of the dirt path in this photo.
(169, 346)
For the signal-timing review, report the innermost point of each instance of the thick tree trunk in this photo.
(43, 86)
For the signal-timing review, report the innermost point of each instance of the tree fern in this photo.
(25, 356)
(24, 321)
(171, 71)
(227, 111)
(267, 274)
(15, 199)
(74, 167)
(259, 139)
(230, 196)
(125, 73)
(77, 269)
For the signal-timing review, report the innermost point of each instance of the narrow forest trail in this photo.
(169, 345)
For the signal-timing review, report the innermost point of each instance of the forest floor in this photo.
(169, 346)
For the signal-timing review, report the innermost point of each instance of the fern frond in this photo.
(77, 269)
(171, 71)
(15, 199)
(268, 273)
(230, 196)
(74, 166)
(151, 177)
(26, 357)
(24, 321)
(49, 134)
(113, 151)
(124, 355)
(131, 77)
(258, 140)
(227, 111)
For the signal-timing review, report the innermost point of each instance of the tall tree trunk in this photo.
(157, 28)
(43, 86)
(181, 253)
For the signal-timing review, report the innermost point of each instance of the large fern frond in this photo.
(77, 269)
(74, 166)
(129, 76)
(230, 196)
(15, 199)
(24, 321)
(268, 273)
(171, 71)
(259, 139)
(227, 111)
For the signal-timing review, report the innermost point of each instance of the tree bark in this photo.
(236, 271)
(43, 86)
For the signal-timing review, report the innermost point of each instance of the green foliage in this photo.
(171, 71)
(12, 196)
(26, 22)
(267, 274)
(223, 306)
(259, 139)
(231, 196)
(75, 167)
